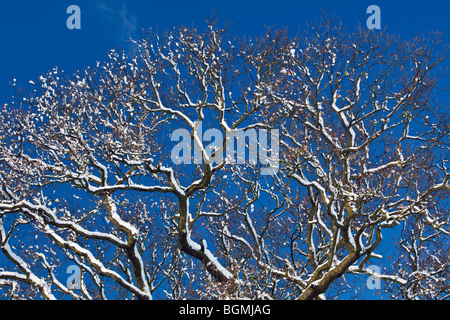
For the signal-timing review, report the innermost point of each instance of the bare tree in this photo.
(135, 170)
(367, 145)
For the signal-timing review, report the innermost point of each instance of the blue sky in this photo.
(34, 37)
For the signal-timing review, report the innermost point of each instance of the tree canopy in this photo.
(294, 156)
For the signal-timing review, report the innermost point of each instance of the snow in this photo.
(23, 266)
(117, 220)
(86, 164)
(292, 51)
(173, 181)
(358, 87)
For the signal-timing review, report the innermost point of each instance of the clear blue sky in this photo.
(34, 37)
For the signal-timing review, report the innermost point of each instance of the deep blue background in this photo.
(34, 37)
